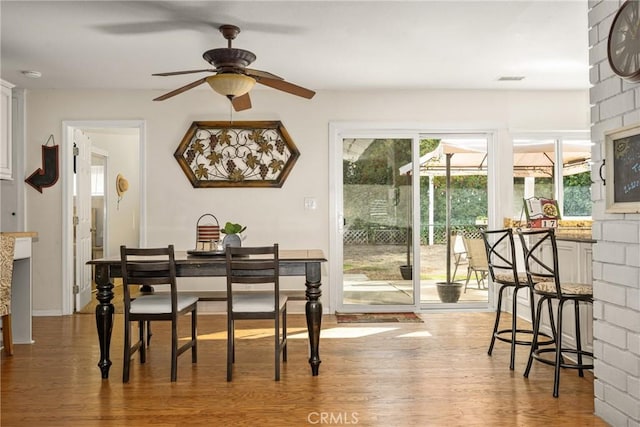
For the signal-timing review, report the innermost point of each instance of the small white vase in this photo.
(231, 240)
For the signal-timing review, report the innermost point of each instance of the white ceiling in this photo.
(322, 45)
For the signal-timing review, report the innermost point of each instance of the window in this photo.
(97, 180)
(538, 161)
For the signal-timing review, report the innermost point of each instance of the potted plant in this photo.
(232, 234)
(449, 292)
(407, 270)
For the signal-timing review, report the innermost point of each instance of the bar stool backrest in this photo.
(501, 253)
(541, 256)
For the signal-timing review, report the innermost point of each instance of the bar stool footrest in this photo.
(507, 338)
(537, 355)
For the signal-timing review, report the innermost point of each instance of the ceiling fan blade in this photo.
(242, 102)
(181, 89)
(260, 73)
(286, 87)
(175, 73)
(143, 27)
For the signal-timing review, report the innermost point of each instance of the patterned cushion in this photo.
(522, 278)
(565, 288)
(7, 245)
(508, 278)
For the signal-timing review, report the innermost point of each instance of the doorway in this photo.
(99, 202)
(123, 217)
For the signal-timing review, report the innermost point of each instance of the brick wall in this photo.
(616, 256)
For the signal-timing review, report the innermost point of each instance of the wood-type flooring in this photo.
(435, 373)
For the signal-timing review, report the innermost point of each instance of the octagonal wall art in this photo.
(237, 154)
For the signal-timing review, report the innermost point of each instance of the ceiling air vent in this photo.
(510, 78)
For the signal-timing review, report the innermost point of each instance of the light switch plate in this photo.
(310, 203)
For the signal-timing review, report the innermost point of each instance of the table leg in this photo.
(104, 316)
(313, 310)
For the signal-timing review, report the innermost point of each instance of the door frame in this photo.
(498, 170)
(68, 126)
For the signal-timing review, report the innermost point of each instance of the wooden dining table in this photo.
(299, 262)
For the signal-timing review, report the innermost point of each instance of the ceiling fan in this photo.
(232, 78)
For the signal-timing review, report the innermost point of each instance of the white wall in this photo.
(271, 214)
(616, 256)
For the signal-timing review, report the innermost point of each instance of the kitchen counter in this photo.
(18, 234)
(580, 236)
(568, 230)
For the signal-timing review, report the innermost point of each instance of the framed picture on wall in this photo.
(622, 164)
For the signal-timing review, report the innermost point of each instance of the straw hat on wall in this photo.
(122, 185)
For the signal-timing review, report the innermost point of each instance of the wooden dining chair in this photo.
(151, 267)
(257, 266)
(541, 261)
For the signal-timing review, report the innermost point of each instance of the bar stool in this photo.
(7, 247)
(536, 245)
(501, 259)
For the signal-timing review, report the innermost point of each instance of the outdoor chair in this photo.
(477, 259)
(458, 252)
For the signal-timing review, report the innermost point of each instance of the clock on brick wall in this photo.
(623, 47)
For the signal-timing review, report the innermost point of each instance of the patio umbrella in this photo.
(469, 157)
(447, 223)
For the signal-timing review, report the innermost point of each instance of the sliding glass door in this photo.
(377, 224)
(454, 167)
(397, 237)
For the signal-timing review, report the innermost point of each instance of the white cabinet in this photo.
(575, 261)
(21, 307)
(5, 132)
(21, 288)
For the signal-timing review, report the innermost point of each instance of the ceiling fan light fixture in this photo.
(231, 84)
